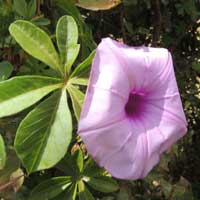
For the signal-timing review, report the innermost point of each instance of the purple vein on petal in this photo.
(178, 119)
(88, 131)
(117, 150)
(112, 91)
(145, 145)
(164, 72)
(162, 98)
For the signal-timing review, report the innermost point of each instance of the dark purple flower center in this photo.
(135, 104)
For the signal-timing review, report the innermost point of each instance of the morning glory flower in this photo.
(132, 111)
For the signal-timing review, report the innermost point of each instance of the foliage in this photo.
(46, 49)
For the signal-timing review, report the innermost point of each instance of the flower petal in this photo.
(101, 108)
(116, 148)
(129, 147)
(143, 66)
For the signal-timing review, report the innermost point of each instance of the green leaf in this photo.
(85, 33)
(72, 165)
(2, 153)
(66, 34)
(103, 183)
(50, 188)
(69, 167)
(44, 135)
(18, 93)
(79, 81)
(83, 68)
(20, 7)
(5, 70)
(77, 98)
(32, 6)
(196, 66)
(78, 157)
(69, 194)
(41, 21)
(84, 193)
(71, 57)
(91, 169)
(67, 38)
(36, 42)
(123, 194)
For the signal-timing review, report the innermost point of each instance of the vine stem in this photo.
(38, 7)
(157, 25)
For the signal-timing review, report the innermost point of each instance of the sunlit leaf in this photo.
(67, 38)
(36, 42)
(43, 137)
(79, 81)
(85, 33)
(77, 98)
(18, 93)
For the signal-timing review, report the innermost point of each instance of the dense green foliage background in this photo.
(173, 24)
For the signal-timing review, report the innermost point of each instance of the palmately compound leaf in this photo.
(50, 188)
(84, 193)
(36, 42)
(32, 8)
(78, 157)
(91, 169)
(102, 183)
(20, 7)
(44, 135)
(67, 38)
(71, 56)
(85, 33)
(20, 92)
(77, 98)
(80, 74)
(69, 194)
(84, 67)
(2, 153)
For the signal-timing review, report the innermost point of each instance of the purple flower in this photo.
(132, 110)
